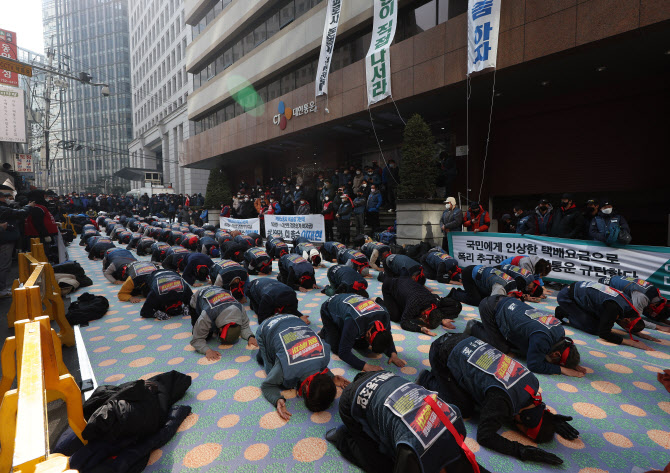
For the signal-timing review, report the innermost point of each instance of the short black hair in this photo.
(664, 314)
(537, 291)
(435, 318)
(542, 267)
(573, 357)
(202, 273)
(322, 392)
(382, 341)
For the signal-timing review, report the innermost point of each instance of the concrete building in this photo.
(580, 91)
(91, 37)
(158, 42)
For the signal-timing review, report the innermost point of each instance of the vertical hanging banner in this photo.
(483, 28)
(9, 50)
(327, 45)
(378, 59)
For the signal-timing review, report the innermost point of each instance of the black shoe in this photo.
(422, 378)
(468, 327)
(380, 301)
(333, 436)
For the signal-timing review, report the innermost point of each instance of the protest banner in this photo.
(571, 260)
(293, 226)
(244, 225)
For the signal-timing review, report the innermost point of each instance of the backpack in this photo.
(86, 308)
(616, 234)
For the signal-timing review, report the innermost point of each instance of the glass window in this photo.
(196, 80)
(426, 16)
(272, 25)
(221, 116)
(238, 109)
(237, 51)
(227, 57)
(219, 64)
(249, 43)
(286, 14)
(230, 111)
(288, 83)
(443, 11)
(263, 94)
(273, 90)
(301, 6)
(260, 34)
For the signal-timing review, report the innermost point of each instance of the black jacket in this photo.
(568, 223)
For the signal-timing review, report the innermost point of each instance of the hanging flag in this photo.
(327, 45)
(378, 60)
(483, 27)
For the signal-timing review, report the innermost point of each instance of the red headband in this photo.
(379, 327)
(517, 294)
(454, 433)
(306, 383)
(660, 306)
(173, 306)
(566, 351)
(630, 327)
(358, 285)
(224, 331)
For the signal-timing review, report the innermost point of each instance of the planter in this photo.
(213, 216)
(419, 220)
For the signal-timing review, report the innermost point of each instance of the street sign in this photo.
(8, 49)
(23, 163)
(15, 66)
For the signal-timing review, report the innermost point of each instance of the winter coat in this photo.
(479, 221)
(374, 201)
(452, 220)
(599, 224)
(568, 223)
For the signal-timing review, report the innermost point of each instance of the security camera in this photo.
(105, 91)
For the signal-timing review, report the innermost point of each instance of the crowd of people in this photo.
(346, 197)
(592, 220)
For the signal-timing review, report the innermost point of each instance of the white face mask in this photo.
(448, 206)
(607, 211)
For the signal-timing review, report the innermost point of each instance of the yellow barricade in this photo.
(33, 268)
(34, 357)
(68, 224)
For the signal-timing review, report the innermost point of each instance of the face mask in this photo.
(297, 188)
(564, 203)
(358, 172)
(302, 202)
(246, 199)
(327, 198)
(448, 206)
(372, 189)
(518, 214)
(369, 174)
(607, 211)
(543, 207)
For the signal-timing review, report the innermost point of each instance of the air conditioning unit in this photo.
(152, 177)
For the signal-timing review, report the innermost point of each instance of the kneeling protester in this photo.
(257, 260)
(168, 296)
(268, 297)
(215, 311)
(295, 357)
(391, 424)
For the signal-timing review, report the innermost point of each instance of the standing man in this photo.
(373, 206)
(477, 219)
(343, 215)
(569, 222)
(391, 179)
(540, 221)
(452, 220)
(9, 235)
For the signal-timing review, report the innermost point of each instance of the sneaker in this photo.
(5, 293)
(468, 327)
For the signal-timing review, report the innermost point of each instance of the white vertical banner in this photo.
(378, 59)
(327, 45)
(483, 28)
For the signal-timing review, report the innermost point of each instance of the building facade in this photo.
(91, 37)
(158, 41)
(556, 115)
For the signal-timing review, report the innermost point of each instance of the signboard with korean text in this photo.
(327, 46)
(292, 226)
(483, 28)
(378, 59)
(12, 115)
(23, 163)
(571, 260)
(8, 50)
(244, 225)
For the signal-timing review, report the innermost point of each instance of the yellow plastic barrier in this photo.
(68, 224)
(34, 357)
(34, 267)
(24, 437)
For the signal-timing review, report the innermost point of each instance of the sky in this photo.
(24, 17)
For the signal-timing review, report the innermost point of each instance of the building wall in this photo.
(91, 37)
(159, 38)
(429, 61)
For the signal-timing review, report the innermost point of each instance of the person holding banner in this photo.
(352, 321)
(469, 373)
(296, 272)
(514, 326)
(294, 357)
(215, 311)
(594, 308)
(378, 437)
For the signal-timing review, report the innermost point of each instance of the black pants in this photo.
(470, 293)
(344, 230)
(373, 220)
(394, 309)
(330, 332)
(445, 243)
(488, 331)
(330, 234)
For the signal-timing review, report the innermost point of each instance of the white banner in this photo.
(327, 45)
(293, 226)
(378, 59)
(246, 226)
(23, 163)
(571, 260)
(12, 115)
(483, 27)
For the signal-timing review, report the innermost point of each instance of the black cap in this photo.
(568, 196)
(544, 200)
(592, 201)
(5, 188)
(474, 205)
(506, 217)
(605, 201)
